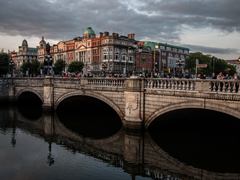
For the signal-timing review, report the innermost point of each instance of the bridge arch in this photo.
(98, 96)
(223, 108)
(31, 90)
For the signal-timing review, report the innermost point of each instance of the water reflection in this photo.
(89, 117)
(60, 152)
(202, 138)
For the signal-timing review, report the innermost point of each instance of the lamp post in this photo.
(213, 63)
(48, 59)
(154, 59)
(48, 64)
(140, 60)
(180, 63)
(197, 62)
(11, 65)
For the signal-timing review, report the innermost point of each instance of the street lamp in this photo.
(213, 62)
(180, 63)
(48, 64)
(11, 65)
(197, 62)
(154, 59)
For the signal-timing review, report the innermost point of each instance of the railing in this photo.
(184, 85)
(217, 86)
(113, 82)
(225, 86)
(171, 84)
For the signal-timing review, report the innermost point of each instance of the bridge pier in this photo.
(11, 91)
(48, 94)
(133, 104)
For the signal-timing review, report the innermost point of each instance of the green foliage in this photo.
(59, 66)
(75, 67)
(4, 63)
(214, 65)
(33, 67)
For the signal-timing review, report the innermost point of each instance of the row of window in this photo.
(117, 57)
(183, 51)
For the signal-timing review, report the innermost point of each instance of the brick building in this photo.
(160, 58)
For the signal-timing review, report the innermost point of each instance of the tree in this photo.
(214, 65)
(25, 67)
(4, 63)
(59, 66)
(75, 67)
(33, 67)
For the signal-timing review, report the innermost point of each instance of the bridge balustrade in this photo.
(113, 82)
(192, 85)
(226, 86)
(170, 84)
(205, 86)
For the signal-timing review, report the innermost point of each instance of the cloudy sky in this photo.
(210, 26)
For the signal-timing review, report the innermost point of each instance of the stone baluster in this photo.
(234, 87)
(170, 84)
(165, 84)
(185, 85)
(177, 84)
(174, 84)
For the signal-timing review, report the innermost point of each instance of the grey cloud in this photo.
(67, 18)
(221, 14)
(63, 19)
(212, 50)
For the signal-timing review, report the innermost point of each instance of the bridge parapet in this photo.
(37, 81)
(90, 83)
(202, 86)
(227, 86)
(171, 84)
(113, 82)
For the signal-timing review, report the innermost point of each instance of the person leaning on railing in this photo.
(220, 77)
(235, 77)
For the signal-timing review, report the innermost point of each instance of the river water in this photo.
(87, 145)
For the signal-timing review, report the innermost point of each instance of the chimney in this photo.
(131, 36)
(115, 35)
(106, 33)
(101, 34)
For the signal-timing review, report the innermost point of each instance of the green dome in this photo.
(150, 44)
(89, 31)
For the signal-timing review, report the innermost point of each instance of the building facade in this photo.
(103, 53)
(41, 49)
(25, 54)
(160, 58)
(117, 53)
(107, 53)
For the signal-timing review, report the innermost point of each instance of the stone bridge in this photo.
(136, 101)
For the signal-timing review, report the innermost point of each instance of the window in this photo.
(130, 58)
(169, 49)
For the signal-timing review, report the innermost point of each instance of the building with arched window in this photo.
(25, 54)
